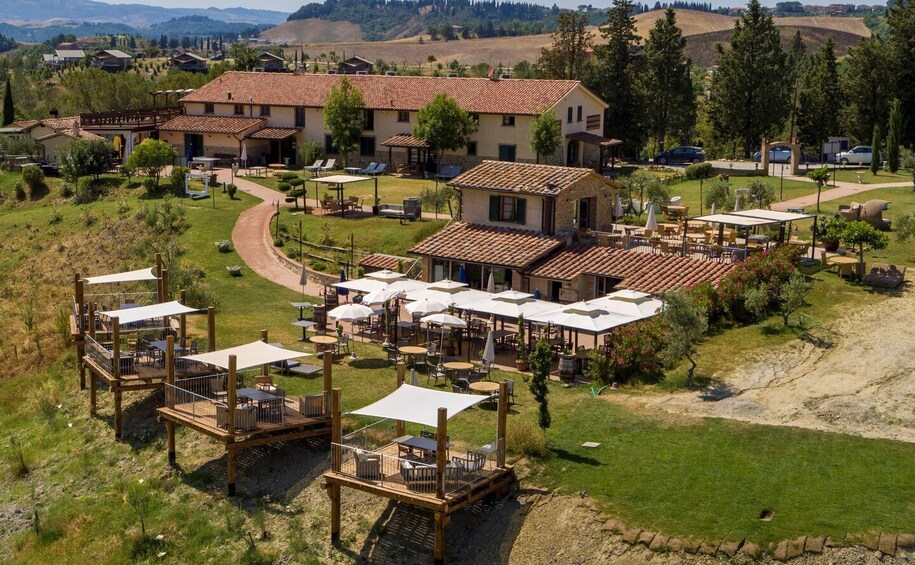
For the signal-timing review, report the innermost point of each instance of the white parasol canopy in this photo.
(630, 303)
(489, 350)
(380, 296)
(128, 276)
(351, 312)
(367, 284)
(140, 313)
(425, 307)
(737, 204)
(651, 223)
(491, 283)
(617, 207)
(244, 152)
(419, 405)
(386, 275)
(246, 356)
(588, 316)
(444, 320)
(713, 212)
(448, 292)
(510, 304)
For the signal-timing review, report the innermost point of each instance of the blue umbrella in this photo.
(190, 152)
(343, 291)
(537, 294)
(462, 275)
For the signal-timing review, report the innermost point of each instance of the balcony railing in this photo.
(128, 118)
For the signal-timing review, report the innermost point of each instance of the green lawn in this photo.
(689, 190)
(882, 176)
(688, 477)
(391, 190)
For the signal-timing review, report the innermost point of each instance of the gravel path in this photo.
(842, 190)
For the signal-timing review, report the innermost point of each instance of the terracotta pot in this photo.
(830, 246)
(521, 364)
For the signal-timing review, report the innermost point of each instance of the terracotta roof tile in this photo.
(524, 177)
(477, 95)
(383, 261)
(505, 247)
(638, 271)
(405, 140)
(210, 124)
(73, 134)
(61, 123)
(274, 133)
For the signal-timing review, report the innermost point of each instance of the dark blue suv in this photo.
(680, 155)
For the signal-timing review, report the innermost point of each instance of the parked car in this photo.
(680, 155)
(777, 154)
(858, 155)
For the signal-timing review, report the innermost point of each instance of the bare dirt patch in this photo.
(855, 376)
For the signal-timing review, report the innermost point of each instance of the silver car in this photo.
(858, 155)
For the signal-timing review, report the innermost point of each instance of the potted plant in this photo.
(376, 206)
(829, 230)
(521, 363)
(339, 330)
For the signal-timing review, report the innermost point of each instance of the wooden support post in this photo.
(401, 374)
(80, 324)
(170, 395)
(92, 319)
(231, 451)
(441, 453)
(334, 492)
(336, 430)
(79, 297)
(182, 320)
(92, 395)
(328, 370)
(164, 285)
(230, 395)
(501, 424)
(116, 349)
(265, 368)
(231, 461)
(158, 266)
(118, 421)
(440, 522)
(81, 365)
(211, 329)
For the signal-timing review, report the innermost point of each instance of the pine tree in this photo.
(670, 99)
(866, 83)
(901, 42)
(615, 76)
(567, 58)
(893, 136)
(9, 110)
(749, 95)
(875, 150)
(819, 98)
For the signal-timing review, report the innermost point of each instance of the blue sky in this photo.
(293, 5)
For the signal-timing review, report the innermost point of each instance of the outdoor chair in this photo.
(368, 170)
(245, 416)
(329, 166)
(436, 373)
(314, 167)
(418, 477)
(296, 368)
(460, 385)
(379, 170)
(218, 388)
(448, 172)
(472, 465)
(343, 346)
(368, 465)
(510, 391)
(311, 406)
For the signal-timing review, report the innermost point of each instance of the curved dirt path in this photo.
(842, 190)
(856, 376)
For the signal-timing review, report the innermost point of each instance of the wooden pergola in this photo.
(410, 143)
(603, 144)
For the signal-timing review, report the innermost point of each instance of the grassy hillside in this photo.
(296, 32)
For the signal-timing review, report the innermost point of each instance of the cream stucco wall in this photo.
(51, 146)
(475, 209)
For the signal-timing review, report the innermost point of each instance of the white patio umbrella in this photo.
(386, 275)
(489, 350)
(426, 306)
(617, 207)
(381, 295)
(713, 211)
(491, 283)
(737, 204)
(445, 321)
(413, 378)
(351, 312)
(652, 222)
(244, 153)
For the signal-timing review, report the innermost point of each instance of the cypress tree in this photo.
(875, 150)
(892, 137)
(9, 110)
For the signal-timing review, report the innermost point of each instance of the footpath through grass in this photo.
(391, 189)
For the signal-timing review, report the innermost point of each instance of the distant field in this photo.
(313, 31)
(702, 29)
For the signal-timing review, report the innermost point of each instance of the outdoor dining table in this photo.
(324, 340)
(411, 351)
(421, 443)
(301, 306)
(459, 367)
(207, 162)
(258, 171)
(841, 260)
(304, 324)
(351, 170)
(263, 398)
(488, 388)
(160, 346)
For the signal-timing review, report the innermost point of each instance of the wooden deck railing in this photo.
(99, 354)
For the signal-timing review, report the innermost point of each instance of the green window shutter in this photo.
(520, 210)
(494, 205)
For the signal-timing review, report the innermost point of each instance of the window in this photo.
(507, 152)
(403, 116)
(471, 147)
(265, 110)
(239, 110)
(578, 115)
(507, 209)
(569, 115)
(300, 117)
(368, 120)
(329, 147)
(367, 146)
(208, 108)
(508, 120)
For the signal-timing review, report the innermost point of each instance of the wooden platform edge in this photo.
(243, 439)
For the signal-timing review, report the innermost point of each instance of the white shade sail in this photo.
(339, 179)
(249, 355)
(381, 295)
(510, 304)
(771, 215)
(351, 312)
(386, 275)
(367, 284)
(128, 276)
(630, 303)
(140, 313)
(419, 405)
(734, 220)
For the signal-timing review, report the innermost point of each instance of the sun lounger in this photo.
(448, 172)
(296, 368)
(368, 170)
(379, 170)
(329, 166)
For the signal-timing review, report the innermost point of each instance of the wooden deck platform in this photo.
(201, 416)
(143, 376)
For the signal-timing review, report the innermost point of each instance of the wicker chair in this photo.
(368, 465)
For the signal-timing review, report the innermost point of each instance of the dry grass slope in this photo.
(297, 32)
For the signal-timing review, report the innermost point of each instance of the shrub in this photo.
(698, 171)
(830, 227)
(526, 439)
(34, 178)
(55, 217)
(296, 182)
(66, 190)
(150, 186)
(705, 296)
(293, 253)
(278, 242)
(600, 368)
(719, 194)
(123, 207)
(283, 186)
(635, 351)
(760, 194)
(224, 246)
(234, 270)
(177, 178)
(318, 265)
(287, 176)
(20, 191)
(89, 218)
(760, 274)
(231, 189)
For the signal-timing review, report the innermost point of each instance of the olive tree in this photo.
(343, 117)
(685, 322)
(151, 157)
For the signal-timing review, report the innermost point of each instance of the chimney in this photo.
(54, 113)
(229, 95)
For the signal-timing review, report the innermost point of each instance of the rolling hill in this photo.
(702, 30)
(313, 31)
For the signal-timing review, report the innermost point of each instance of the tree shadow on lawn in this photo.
(140, 429)
(573, 458)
